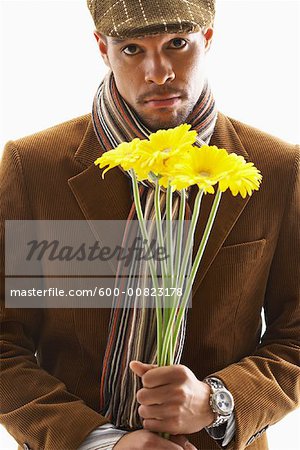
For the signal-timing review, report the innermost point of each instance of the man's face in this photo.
(161, 77)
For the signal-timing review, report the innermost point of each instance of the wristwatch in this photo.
(220, 400)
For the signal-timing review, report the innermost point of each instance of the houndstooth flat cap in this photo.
(136, 18)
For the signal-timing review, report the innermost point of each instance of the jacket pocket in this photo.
(240, 254)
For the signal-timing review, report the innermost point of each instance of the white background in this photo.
(51, 69)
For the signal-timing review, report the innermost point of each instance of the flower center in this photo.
(204, 174)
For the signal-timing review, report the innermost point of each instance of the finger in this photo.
(179, 439)
(182, 440)
(189, 446)
(159, 376)
(165, 444)
(155, 396)
(140, 368)
(161, 426)
(158, 412)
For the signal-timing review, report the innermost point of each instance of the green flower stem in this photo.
(169, 240)
(188, 249)
(159, 224)
(165, 435)
(179, 235)
(190, 238)
(173, 337)
(197, 261)
(169, 245)
(163, 262)
(140, 216)
(178, 250)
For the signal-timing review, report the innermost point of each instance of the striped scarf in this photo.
(132, 329)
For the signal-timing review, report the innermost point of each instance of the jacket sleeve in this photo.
(36, 407)
(266, 384)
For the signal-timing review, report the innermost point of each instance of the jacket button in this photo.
(26, 447)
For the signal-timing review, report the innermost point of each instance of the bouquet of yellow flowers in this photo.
(169, 160)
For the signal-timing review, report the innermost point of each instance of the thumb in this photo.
(181, 440)
(140, 368)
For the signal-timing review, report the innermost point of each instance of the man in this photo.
(156, 54)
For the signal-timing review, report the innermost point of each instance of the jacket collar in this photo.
(110, 199)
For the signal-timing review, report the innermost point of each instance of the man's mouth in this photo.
(163, 101)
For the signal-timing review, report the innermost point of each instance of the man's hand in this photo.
(172, 399)
(145, 440)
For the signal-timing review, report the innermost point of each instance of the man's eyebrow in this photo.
(117, 41)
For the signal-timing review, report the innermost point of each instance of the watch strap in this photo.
(216, 384)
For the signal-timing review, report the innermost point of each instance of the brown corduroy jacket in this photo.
(51, 358)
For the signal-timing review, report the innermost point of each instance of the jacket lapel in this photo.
(110, 199)
(99, 199)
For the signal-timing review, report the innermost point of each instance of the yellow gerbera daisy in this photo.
(124, 155)
(162, 145)
(243, 179)
(203, 166)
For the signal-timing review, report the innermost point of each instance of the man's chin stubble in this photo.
(156, 123)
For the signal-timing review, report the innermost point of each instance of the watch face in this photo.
(223, 402)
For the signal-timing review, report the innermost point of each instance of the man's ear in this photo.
(102, 44)
(208, 35)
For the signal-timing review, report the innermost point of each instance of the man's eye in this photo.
(131, 49)
(178, 43)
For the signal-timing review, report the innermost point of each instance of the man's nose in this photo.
(158, 70)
